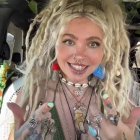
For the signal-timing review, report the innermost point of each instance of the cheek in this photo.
(96, 57)
(62, 55)
(65, 53)
(60, 52)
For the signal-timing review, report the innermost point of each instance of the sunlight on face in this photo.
(80, 49)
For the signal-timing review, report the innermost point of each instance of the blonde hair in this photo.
(41, 51)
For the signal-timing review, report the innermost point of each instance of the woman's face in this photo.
(80, 49)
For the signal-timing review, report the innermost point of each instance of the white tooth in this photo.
(77, 67)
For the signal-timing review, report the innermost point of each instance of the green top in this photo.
(59, 135)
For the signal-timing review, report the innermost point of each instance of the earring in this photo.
(55, 67)
(99, 72)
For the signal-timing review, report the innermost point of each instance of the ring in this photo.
(97, 119)
(94, 131)
(114, 118)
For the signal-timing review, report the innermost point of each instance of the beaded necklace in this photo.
(79, 87)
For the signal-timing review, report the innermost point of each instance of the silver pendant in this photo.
(79, 92)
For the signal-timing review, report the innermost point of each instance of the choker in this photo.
(77, 85)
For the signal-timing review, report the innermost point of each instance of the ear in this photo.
(17, 111)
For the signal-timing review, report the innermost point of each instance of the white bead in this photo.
(69, 83)
(85, 85)
(63, 80)
(77, 85)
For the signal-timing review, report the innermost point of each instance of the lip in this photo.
(78, 68)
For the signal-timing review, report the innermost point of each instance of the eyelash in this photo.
(96, 44)
(68, 42)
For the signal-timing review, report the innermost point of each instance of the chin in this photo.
(76, 78)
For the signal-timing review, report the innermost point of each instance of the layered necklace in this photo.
(80, 110)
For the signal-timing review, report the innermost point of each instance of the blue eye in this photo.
(68, 42)
(94, 44)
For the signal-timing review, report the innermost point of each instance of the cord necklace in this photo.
(80, 114)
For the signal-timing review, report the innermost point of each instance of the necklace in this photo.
(64, 114)
(77, 98)
(79, 91)
(80, 114)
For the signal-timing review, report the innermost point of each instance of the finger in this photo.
(102, 126)
(43, 110)
(134, 116)
(47, 107)
(17, 111)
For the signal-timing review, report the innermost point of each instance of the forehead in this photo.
(83, 26)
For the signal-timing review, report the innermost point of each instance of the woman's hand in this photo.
(39, 115)
(123, 131)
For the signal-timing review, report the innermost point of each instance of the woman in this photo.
(78, 82)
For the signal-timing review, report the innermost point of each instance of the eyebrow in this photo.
(94, 37)
(71, 35)
(88, 39)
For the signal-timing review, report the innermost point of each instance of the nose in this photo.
(79, 56)
(80, 50)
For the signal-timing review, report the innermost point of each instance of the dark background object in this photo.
(18, 12)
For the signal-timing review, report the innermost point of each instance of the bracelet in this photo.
(94, 132)
(97, 119)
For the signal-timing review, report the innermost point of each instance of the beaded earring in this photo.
(55, 69)
(112, 114)
(99, 72)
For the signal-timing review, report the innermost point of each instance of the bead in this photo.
(63, 80)
(55, 67)
(85, 85)
(105, 96)
(77, 85)
(69, 83)
(107, 101)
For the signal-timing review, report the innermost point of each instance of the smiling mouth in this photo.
(78, 68)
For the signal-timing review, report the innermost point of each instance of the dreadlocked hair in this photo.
(42, 49)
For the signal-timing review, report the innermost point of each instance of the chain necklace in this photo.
(80, 114)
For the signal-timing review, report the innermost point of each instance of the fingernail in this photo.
(51, 104)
